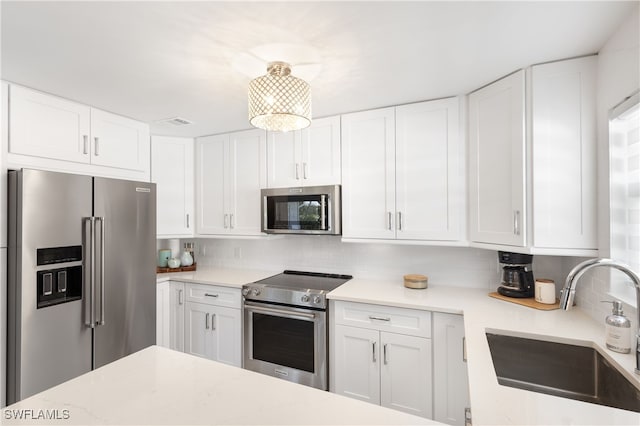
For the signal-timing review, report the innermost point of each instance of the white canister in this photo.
(545, 291)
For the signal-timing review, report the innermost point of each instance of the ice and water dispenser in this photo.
(59, 284)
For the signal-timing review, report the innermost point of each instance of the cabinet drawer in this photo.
(214, 295)
(384, 318)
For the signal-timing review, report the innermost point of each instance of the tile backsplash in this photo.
(451, 266)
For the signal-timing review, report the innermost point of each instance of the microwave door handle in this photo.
(323, 216)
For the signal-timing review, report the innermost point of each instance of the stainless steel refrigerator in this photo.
(81, 276)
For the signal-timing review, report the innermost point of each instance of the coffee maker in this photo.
(517, 276)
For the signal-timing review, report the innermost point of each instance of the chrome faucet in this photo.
(569, 290)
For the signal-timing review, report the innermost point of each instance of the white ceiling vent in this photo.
(175, 121)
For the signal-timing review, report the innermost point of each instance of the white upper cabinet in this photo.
(496, 162)
(230, 171)
(46, 126)
(563, 145)
(368, 174)
(430, 198)
(118, 141)
(307, 157)
(403, 173)
(53, 133)
(172, 172)
(535, 194)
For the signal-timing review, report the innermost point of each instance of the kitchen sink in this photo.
(565, 370)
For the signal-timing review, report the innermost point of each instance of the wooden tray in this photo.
(529, 302)
(160, 270)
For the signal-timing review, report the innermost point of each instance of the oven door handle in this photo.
(289, 314)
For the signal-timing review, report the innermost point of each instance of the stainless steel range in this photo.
(285, 326)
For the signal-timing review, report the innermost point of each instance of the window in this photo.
(624, 143)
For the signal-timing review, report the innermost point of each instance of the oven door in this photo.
(286, 342)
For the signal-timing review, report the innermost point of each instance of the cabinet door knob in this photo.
(373, 351)
(384, 351)
(516, 222)
(304, 170)
(206, 321)
(389, 216)
(399, 221)
(297, 171)
(85, 144)
(96, 146)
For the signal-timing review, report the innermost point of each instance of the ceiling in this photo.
(156, 60)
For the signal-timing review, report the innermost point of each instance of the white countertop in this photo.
(160, 386)
(217, 276)
(491, 403)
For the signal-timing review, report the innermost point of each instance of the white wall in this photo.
(450, 266)
(618, 77)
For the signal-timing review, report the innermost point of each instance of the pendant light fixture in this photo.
(278, 101)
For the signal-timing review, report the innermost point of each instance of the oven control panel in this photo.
(304, 298)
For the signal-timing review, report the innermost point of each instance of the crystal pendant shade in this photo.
(279, 101)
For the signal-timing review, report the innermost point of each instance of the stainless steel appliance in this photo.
(303, 210)
(81, 275)
(517, 276)
(285, 326)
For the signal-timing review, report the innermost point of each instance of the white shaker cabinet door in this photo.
(247, 176)
(172, 172)
(451, 381)
(119, 142)
(320, 153)
(406, 374)
(197, 331)
(163, 314)
(226, 335)
(176, 315)
(497, 162)
(368, 174)
(283, 159)
(212, 187)
(564, 154)
(357, 360)
(429, 171)
(46, 126)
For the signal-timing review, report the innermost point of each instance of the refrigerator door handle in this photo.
(102, 234)
(90, 315)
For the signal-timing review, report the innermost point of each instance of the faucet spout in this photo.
(569, 290)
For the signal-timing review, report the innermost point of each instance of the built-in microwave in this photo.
(302, 210)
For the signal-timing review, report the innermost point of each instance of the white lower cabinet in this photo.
(406, 359)
(213, 332)
(162, 314)
(213, 323)
(176, 315)
(450, 378)
(170, 315)
(200, 319)
(374, 364)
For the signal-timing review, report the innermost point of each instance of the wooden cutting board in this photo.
(529, 301)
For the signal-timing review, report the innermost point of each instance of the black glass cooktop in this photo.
(306, 280)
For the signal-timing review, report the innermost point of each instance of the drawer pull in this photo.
(371, 317)
(210, 295)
